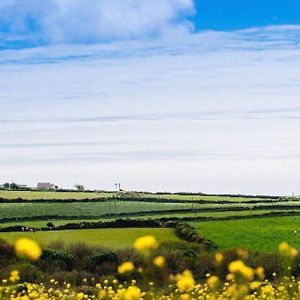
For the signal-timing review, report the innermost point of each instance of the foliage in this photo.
(150, 280)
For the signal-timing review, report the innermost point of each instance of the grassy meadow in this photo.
(255, 234)
(49, 195)
(108, 237)
(60, 195)
(181, 215)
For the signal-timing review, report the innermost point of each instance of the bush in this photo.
(6, 253)
(57, 260)
(103, 263)
(188, 233)
(29, 272)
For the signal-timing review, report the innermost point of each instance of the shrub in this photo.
(105, 263)
(6, 253)
(57, 260)
(29, 272)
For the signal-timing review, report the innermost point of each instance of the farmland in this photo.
(181, 215)
(48, 195)
(98, 209)
(108, 238)
(256, 234)
(61, 195)
(87, 235)
(214, 216)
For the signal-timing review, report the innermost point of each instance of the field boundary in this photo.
(147, 199)
(157, 212)
(157, 222)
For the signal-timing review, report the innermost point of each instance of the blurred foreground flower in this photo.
(125, 267)
(28, 248)
(145, 244)
(238, 267)
(159, 261)
(14, 276)
(132, 293)
(185, 281)
(286, 250)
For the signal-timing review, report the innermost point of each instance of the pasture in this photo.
(181, 215)
(109, 237)
(49, 195)
(255, 234)
(59, 195)
(86, 209)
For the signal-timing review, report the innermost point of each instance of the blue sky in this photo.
(26, 23)
(160, 95)
(241, 14)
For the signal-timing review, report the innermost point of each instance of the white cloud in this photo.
(213, 111)
(72, 21)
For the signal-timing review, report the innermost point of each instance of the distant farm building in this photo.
(45, 186)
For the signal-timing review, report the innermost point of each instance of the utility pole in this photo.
(118, 188)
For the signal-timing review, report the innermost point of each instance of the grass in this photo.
(256, 234)
(100, 209)
(206, 197)
(48, 195)
(110, 237)
(217, 214)
(53, 195)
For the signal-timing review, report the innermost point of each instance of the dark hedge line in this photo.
(139, 199)
(188, 233)
(119, 223)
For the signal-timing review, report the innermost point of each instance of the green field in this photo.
(35, 195)
(53, 195)
(206, 197)
(256, 234)
(217, 214)
(22, 210)
(100, 209)
(108, 237)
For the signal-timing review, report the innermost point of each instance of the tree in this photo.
(6, 185)
(79, 187)
(14, 186)
(50, 225)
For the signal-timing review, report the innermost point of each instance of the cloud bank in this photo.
(210, 112)
(38, 22)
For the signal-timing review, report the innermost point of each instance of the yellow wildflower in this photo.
(255, 285)
(185, 281)
(125, 267)
(145, 244)
(102, 294)
(260, 272)
(185, 297)
(286, 250)
(159, 261)
(219, 258)
(213, 281)
(25, 247)
(132, 293)
(239, 267)
(267, 290)
(14, 276)
(80, 296)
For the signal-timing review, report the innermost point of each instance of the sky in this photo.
(160, 95)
